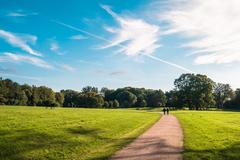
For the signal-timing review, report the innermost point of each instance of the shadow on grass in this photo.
(15, 143)
(229, 153)
(30, 144)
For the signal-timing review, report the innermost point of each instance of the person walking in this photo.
(167, 111)
(164, 110)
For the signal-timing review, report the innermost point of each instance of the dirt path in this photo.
(163, 141)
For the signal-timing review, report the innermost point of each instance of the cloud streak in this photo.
(67, 67)
(11, 57)
(78, 37)
(115, 73)
(212, 26)
(120, 45)
(21, 13)
(137, 35)
(18, 41)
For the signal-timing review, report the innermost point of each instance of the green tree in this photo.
(115, 104)
(195, 91)
(141, 102)
(126, 99)
(90, 89)
(222, 93)
(106, 104)
(156, 98)
(59, 96)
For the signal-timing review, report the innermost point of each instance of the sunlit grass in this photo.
(39, 133)
(210, 135)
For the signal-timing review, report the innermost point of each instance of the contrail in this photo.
(121, 46)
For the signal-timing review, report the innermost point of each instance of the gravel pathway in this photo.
(163, 141)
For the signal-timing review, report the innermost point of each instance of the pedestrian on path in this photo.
(164, 110)
(167, 111)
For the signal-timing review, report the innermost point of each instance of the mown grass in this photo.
(210, 135)
(39, 133)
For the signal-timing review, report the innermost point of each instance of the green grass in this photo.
(210, 135)
(39, 133)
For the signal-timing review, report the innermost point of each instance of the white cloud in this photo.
(122, 46)
(115, 73)
(78, 37)
(213, 27)
(68, 67)
(138, 36)
(11, 57)
(16, 14)
(54, 46)
(19, 41)
(21, 13)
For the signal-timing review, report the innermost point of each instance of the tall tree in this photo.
(196, 91)
(156, 98)
(126, 99)
(222, 93)
(59, 96)
(90, 89)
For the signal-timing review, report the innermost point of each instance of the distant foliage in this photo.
(11, 93)
(234, 102)
(193, 91)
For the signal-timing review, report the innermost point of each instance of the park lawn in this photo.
(210, 135)
(68, 133)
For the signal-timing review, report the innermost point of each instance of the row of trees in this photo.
(109, 98)
(200, 92)
(193, 91)
(11, 93)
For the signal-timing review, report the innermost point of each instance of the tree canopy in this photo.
(193, 91)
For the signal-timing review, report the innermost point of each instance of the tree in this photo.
(141, 102)
(115, 104)
(70, 98)
(106, 104)
(90, 89)
(173, 99)
(126, 99)
(222, 93)
(195, 91)
(156, 98)
(44, 96)
(234, 103)
(59, 96)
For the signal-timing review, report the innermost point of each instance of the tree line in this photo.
(193, 91)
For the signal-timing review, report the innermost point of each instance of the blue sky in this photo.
(72, 44)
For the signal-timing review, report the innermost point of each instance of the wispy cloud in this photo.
(21, 13)
(67, 67)
(16, 14)
(54, 47)
(120, 45)
(212, 26)
(11, 57)
(137, 35)
(78, 37)
(17, 41)
(114, 73)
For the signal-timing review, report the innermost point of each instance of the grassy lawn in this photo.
(210, 135)
(39, 133)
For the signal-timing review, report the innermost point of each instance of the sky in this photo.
(144, 43)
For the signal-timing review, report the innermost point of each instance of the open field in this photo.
(39, 133)
(212, 135)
